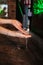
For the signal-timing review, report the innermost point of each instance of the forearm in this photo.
(5, 21)
(7, 32)
(10, 33)
(15, 23)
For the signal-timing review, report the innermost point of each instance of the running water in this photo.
(26, 43)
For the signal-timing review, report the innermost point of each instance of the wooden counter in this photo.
(10, 54)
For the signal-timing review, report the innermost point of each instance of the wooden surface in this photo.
(11, 55)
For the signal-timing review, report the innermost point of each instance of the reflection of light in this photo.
(6, 15)
(3, 5)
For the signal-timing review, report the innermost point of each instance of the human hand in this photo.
(18, 25)
(20, 35)
(15, 23)
(13, 33)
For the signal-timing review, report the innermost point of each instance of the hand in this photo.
(15, 23)
(13, 33)
(19, 34)
(18, 25)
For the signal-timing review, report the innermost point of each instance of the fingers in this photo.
(27, 36)
(18, 25)
(20, 35)
(16, 22)
(13, 33)
(19, 22)
(24, 36)
(22, 31)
